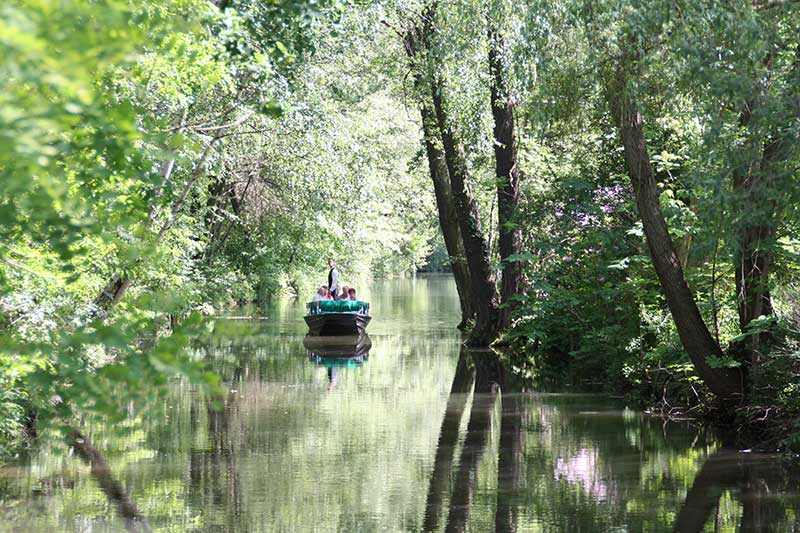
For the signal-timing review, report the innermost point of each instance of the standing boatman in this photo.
(333, 278)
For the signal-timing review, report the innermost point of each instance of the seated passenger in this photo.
(352, 293)
(321, 294)
(345, 293)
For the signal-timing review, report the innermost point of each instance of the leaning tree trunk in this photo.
(695, 336)
(415, 40)
(448, 220)
(508, 177)
(484, 292)
(112, 293)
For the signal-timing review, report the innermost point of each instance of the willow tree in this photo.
(760, 88)
(416, 40)
(430, 50)
(482, 288)
(507, 170)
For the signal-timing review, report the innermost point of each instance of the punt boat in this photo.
(337, 317)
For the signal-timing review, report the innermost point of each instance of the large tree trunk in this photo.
(508, 176)
(415, 43)
(755, 232)
(483, 289)
(757, 188)
(753, 256)
(695, 336)
(756, 227)
(753, 262)
(484, 292)
(448, 220)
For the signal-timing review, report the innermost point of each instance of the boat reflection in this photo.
(334, 353)
(347, 351)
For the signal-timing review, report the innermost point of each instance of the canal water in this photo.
(412, 434)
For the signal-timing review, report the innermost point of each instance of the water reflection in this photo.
(481, 371)
(334, 350)
(416, 435)
(439, 485)
(765, 489)
(214, 476)
(487, 381)
(333, 353)
(558, 466)
(510, 464)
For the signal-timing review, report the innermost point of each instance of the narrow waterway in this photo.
(411, 434)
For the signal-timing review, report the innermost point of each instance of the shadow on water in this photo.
(764, 487)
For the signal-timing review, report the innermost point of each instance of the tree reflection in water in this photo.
(484, 370)
(213, 470)
(598, 482)
(448, 439)
(510, 465)
(758, 480)
(487, 381)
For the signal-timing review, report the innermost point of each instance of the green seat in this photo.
(338, 306)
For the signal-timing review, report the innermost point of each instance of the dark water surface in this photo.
(414, 435)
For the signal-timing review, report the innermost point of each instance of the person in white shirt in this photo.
(321, 294)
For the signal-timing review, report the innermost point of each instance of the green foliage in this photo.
(202, 155)
(192, 156)
(594, 312)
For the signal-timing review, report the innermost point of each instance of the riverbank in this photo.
(764, 424)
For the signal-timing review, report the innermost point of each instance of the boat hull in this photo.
(336, 324)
